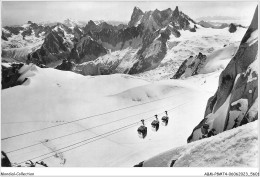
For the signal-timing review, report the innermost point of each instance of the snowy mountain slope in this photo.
(22, 36)
(236, 98)
(43, 97)
(114, 62)
(202, 64)
(236, 147)
(178, 49)
(17, 41)
(219, 59)
(189, 44)
(20, 54)
(21, 41)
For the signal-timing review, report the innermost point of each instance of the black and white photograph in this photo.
(130, 84)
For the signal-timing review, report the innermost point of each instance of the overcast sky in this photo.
(18, 12)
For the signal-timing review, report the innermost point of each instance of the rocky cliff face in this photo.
(53, 48)
(136, 17)
(152, 51)
(87, 49)
(10, 75)
(236, 101)
(116, 39)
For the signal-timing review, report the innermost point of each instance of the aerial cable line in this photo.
(57, 151)
(110, 133)
(83, 144)
(25, 147)
(96, 115)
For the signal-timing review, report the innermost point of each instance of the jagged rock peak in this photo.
(176, 10)
(91, 22)
(137, 9)
(136, 16)
(156, 19)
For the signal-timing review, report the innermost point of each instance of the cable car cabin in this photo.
(165, 119)
(155, 124)
(142, 130)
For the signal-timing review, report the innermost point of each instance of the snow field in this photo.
(236, 147)
(45, 101)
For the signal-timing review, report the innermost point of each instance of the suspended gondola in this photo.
(155, 124)
(142, 130)
(165, 119)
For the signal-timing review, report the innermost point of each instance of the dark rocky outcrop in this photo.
(173, 162)
(10, 75)
(232, 28)
(66, 66)
(5, 36)
(190, 66)
(236, 100)
(5, 162)
(140, 164)
(181, 69)
(193, 29)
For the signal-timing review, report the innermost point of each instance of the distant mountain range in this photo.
(145, 36)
